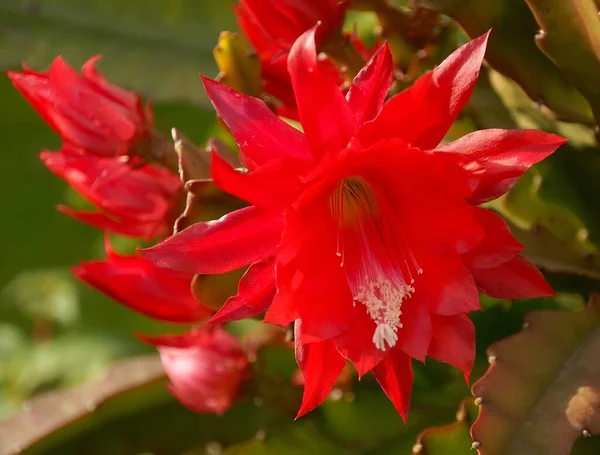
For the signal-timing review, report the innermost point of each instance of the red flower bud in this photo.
(137, 202)
(85, 109)
(272, 27)
(206, 367)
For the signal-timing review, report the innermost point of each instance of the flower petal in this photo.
(325, 115)
(356, 343)
(206, 367)
(414, 336)
(423, 113)
(371, 86)
(310, 282)
(449, 286)
(260, 134)
(515, 279)
(231, 242)
(272, 185)
(137, 283)
(442, 224)
(255, 293)
(497, 247)
(395, 376)
(496, 158)
(453, 342)
(321, 365)
(129, 228)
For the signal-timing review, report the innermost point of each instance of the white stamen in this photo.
(379, 282)
(384, 333)
(382, 295)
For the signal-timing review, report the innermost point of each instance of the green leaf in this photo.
(157, 47)
(542, 391)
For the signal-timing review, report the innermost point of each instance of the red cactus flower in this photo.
(136, 202)
(273, 26)
(137, 283)
(367, 228)
(85, 109)
(277, 24)
(206, 367)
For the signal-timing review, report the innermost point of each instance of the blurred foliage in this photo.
(55, 332)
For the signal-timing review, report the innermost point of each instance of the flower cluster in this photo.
(364, 229)
(113, 157)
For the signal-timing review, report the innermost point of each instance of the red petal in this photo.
(231, 242)
(133, 201)
(321, 365)
(453, 342)
(395, 376)
(498, 245)
(442, 224)
(371, 86)
(423, 113)
(260, 134)
(325, 115)
(414, 336)
(515, 279)
(449, 286)
(497, 158)
(128, 228)
(137, 283)
(273, 185)
(281, 312)
(310, 282)
(281, 27)
(255, 293)
(206, 367)
(356, 344)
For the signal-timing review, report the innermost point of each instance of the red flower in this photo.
(137, 283)
(206, 367)
(365, 225)
(272, 26)
(133, 202)
(86, 110)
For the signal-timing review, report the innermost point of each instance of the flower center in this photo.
(379, 267)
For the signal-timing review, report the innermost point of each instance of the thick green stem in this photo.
(570, 37)
(512, 52)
